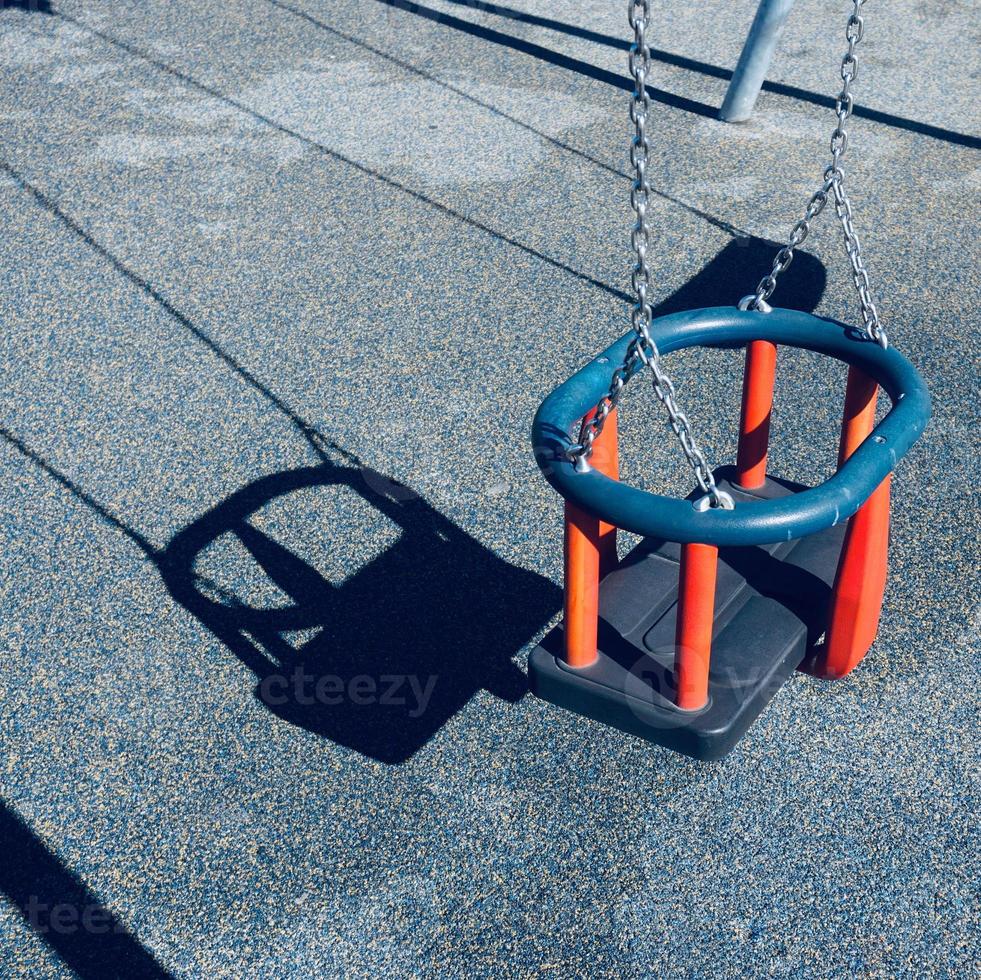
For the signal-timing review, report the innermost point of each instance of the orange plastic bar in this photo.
(693, 633)
(860, 584)
(754, 418)
(860, 581)
(590, 551)
(606, 459)
(582, 565)
(858, 418)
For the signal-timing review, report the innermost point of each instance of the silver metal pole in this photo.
(760, 44)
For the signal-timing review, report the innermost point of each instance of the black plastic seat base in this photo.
(771, 608)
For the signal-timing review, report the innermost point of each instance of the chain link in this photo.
(783, 258)
(642, 349)
(834, 185)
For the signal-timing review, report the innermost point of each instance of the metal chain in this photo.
(783, 258)
(834, 184)
(642, 349)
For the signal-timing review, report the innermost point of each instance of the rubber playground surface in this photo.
(284, 282)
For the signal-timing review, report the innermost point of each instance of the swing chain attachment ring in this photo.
(643, 350)
(753, 302)
(834, 185)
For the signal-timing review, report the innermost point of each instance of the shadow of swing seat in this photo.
(435, 608)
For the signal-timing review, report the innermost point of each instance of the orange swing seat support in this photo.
(590, 548)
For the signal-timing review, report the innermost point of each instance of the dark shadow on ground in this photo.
(62, 910)
(735, 271)
(551, 57)
(437, 604)
(28, 6)
(704, 68)
(426, 624)
(398, 647)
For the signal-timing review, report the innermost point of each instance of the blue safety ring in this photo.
(556, 426)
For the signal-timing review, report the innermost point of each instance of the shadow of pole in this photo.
(690, 64)
(65, 913)
(28, 6)
(557, 58)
